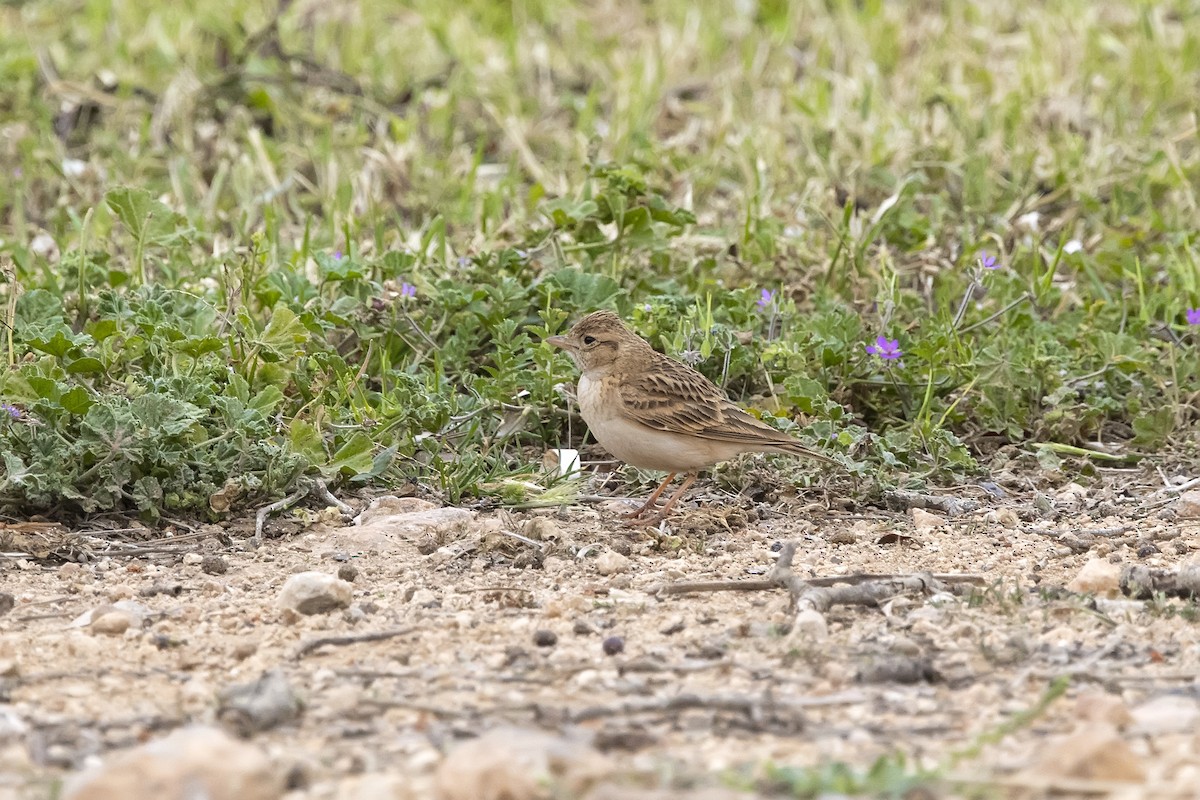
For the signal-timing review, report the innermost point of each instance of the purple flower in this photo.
(766, 298)
(647, 308)
(988, 261)
(11, 411)
(407, 289)
(885, 348)
(337, 255)
(1193, 316)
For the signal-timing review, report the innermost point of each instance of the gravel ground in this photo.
(556, 621)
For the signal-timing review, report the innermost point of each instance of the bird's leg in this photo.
(649, 503)
(666, 509)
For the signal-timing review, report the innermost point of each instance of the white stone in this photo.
(1097, 576)
(610, 562)
(314, 593)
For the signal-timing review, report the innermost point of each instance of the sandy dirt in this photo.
(568, 633)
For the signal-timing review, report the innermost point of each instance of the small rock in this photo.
(314, 593)
(673, 627)
(810, 624)
(519, 764)
(611, 562)
(191, 762)
(71, 571)
(7, 603)
(244, 649)
(425, 598)
(192, 559)
(1005, 517)
(613, 645)
(266, 703)
(1095, 751)
(923, 521)
(348, 572)
(9, 668)
(113, 622)
(1097, 576)
(843, 536)
(542, 529)
(213, 565)
(1188, 505)
(545, 638)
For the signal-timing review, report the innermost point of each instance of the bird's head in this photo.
(599, 342)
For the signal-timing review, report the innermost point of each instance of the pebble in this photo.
(545, 638)
(192, 559)
(263, 704)
(199, 761)
(113, 622)
(542, 529)
(348, 572)
(810, 624)
(923, 521)
(213, 565)
(613, 645)
(611, 562)
(1188, 505)
(425, 598)
(314, 593)
(1097, 576)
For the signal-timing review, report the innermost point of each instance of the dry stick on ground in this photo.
(355, 638)
(758, 709)
(687, 587)
(950, 505)
(315, 487)
(820, 594)
(1142, 583)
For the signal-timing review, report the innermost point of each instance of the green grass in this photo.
(179, 183)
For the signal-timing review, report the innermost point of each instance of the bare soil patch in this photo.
(457, 626)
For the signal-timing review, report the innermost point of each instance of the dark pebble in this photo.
(214, 565)
(544, 638)
(348, 572)
(613, 645)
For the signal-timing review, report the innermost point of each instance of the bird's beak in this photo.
(560, 342)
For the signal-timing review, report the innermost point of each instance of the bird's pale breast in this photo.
(640, 445)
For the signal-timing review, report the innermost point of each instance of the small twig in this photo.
(687, 587)
(1180, 488)
(322, 492)
(752, 707)
(354, 638)
(525, 539)
(260, 518)
(495, 589)
(950, 505)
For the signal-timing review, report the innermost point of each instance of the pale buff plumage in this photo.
(657, 413)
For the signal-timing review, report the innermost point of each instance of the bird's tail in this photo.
(796, 449)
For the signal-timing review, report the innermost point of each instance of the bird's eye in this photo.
(589, 340)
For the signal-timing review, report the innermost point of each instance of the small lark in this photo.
(656, 413)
